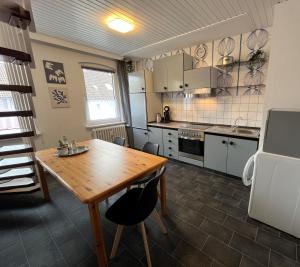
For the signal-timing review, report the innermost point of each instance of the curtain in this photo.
(124, 96)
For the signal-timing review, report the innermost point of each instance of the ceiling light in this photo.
(120, 25)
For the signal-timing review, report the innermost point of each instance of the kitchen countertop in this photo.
(245, 132)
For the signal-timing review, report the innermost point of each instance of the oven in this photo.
(191, 147)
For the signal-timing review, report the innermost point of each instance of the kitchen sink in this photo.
(238, 130)
(243, 131)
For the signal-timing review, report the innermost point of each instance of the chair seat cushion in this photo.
(125, 210)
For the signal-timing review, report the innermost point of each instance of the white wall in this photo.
(283, 82)
(54, 123)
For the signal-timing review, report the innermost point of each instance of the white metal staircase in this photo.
(17, 162)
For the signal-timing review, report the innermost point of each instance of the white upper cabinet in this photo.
(205, 77)
(168, 72)
(136, 81)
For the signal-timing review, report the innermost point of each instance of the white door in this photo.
(215, 152)
(239, 151)
(140, 138)
(138, 110)
(156, 137)
(136, 82)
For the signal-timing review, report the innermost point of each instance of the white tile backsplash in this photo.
(220, 109)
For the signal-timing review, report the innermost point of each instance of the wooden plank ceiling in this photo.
(83, 21)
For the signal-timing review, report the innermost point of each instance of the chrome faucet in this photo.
(235, 125)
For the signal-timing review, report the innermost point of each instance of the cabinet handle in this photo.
(170, 147)
(170, 141)
(145, 133)
(165, 87)
(180, 86)
(231, 143)
(186, 84)
(170, 155)
(224, 142)
(169, 134)
(143, 88)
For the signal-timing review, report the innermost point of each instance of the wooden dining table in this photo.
(98, 174)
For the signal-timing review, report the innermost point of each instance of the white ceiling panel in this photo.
(159, 23)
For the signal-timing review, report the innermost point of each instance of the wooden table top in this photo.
(102, 171)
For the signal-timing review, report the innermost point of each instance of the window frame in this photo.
(103, 122)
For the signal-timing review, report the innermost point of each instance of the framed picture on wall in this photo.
(59, 97)
(54, 72)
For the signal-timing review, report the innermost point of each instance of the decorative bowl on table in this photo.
(67, 152)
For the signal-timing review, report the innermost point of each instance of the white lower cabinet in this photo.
(227, 154)
(156, 137)
(140, 138)
(215, 152)
(239, 151)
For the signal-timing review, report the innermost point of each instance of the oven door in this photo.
(191, 148)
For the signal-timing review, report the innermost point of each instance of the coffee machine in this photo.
(166, 117)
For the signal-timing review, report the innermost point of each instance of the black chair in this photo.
(119, 141)
(133, 208)
(151, 149)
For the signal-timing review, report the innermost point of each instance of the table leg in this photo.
(43, 181)
(163, 195)
(98, 234)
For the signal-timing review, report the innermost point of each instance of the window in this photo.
(102, 103)
(6, 102)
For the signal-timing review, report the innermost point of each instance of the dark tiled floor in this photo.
(207, 223)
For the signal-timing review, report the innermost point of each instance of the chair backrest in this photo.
(119, 141)
(148, 198)
(151, 148)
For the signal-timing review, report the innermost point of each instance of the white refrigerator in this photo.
(274, 173)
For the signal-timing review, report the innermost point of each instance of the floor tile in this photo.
(190, 256)
(222, 252)
(250, 248)
(213, 214)
(233, 211)
(278, 244)
(247, 262)
(160, 258)
(277, 260)
(167, 241)
(13, 256)
(216, 230)
(187, 232)
(189, 215)
(125, 259)
(243, 228)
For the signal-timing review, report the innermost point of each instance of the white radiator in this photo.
(110, 132)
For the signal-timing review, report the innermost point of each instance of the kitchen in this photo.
(195, 140)
(149, 133)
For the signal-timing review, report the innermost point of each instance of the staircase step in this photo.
(11, 55)
(15, 149)
(8, 163)
(21, 183)
(23, 89)
(15, 133)
(21, 113)
(16, 173)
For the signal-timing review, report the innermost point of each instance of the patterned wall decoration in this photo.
(254, 62)
(226, 57)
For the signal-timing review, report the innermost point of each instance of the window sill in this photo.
(101, 125)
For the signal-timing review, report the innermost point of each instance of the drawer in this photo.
(171, 152)
(171, 148)
(170, 133)
(170, 141)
